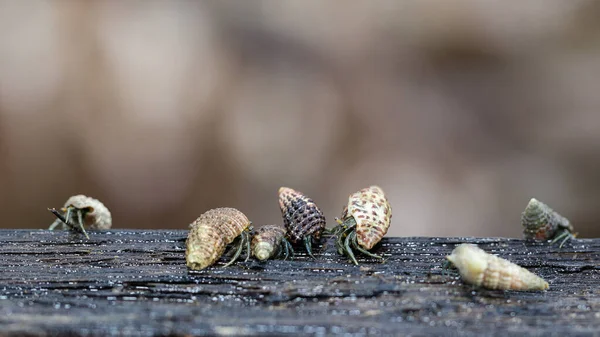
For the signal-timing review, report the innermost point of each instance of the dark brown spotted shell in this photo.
(211, 233)
(267, 242)
(372, 212)
(540, 222)
(301, 216)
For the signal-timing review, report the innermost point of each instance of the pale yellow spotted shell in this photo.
(489, 271)
(373, 214)
(98, 216)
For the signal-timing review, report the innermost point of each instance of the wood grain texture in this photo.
(135, 282)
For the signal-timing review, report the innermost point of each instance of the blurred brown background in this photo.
(461, 110)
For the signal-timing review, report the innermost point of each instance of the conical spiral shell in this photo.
(211, 233)
(97, 217)
(372, 212)
(301, 216)
(489, 271)
(540, 222)
(267, 241)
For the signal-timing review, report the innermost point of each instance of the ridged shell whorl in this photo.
(372, 212)
(301, 216)
(211, 233)
(540, 222)
(479, 268)
(267, 241)
(97, 217)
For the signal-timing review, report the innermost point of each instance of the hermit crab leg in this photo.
(308, 245)
(80, 218)
(340, 229)
(285, 251)
(288, 249)
(446, 267)
(66, 220)
(54, 224)
(329, 231)
(362, 250)
(339, 240)
(344, 226)
(58, 221)
(339, 243)
(238, 251)
(246, 237)
(565, 235)
(347, 248)
(340, 234)
(68, 216)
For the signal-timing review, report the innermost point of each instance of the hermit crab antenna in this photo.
(58, 215)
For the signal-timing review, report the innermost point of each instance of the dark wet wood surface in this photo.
(135, 282)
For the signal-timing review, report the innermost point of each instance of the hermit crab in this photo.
(364, 221)
(302, 218)
(212, 232)
(542, 223)
(489, 271)
(270, 241)
(88, 211)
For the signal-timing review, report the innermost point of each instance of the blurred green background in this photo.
(460, 110)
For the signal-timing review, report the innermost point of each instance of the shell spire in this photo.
(489, 271)
(540, 222)
(302, 218)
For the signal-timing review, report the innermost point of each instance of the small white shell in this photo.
(98, 217)
(489, 271)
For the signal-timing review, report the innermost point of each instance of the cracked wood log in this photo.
(135, 282)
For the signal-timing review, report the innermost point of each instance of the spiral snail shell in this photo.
(88, 211)
(212, 232)
(364, 221)
(303, 219)
(489, 271)
(270, 241)
(540, 222)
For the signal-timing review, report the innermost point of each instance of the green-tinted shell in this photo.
(211, 233)
(372, 212)
(489, 271)
(540, 222)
